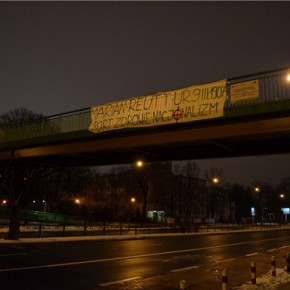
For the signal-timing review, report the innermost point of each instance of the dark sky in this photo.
(61, 56)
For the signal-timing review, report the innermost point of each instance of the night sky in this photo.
(61, 56)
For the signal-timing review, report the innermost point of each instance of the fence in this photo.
(45, 229)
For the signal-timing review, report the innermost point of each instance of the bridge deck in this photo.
(254, 127)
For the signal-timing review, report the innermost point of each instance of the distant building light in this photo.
(285, 210)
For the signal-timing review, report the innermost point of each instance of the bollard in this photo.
(224, 279)
(288, 262)
(183, 284)
(273, 266)
(253, 273)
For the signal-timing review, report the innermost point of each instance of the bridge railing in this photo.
(273, 87)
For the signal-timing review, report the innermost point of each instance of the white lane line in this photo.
(184, 269)
(11, 255)
(283, 247)
(272, 250)
(252, 254)
(131, 257)
(120, 281)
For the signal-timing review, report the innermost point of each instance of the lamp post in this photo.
(132, 203)
(257, 191)
(144, 186)
(282, 196)
(213, 199)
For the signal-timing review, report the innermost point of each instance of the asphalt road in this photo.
(88, 265)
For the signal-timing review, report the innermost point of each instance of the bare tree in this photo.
(18, 175)
(18, 117)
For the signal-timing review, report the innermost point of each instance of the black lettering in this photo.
(139, 104)
(177, 99)
(213, 107)
(202, 109)
(132, 105)
(118, 123)
(148, 104)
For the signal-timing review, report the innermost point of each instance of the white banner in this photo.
(244, 91)
(177, 106)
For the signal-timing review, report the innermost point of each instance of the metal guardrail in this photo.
(273, 88)
(132, 229)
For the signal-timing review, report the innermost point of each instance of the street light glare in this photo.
(215, 180)
(139, 163)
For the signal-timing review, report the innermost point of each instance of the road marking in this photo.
(11, 255)
(131, 257)
(184, 269)
(283, 247)
(250, 255)
(272, 250)
(120, 281)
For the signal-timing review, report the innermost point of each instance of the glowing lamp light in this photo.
(139, 163)
(215, 180)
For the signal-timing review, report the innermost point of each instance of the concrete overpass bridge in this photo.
(255, 121)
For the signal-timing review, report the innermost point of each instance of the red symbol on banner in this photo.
(177, 114)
